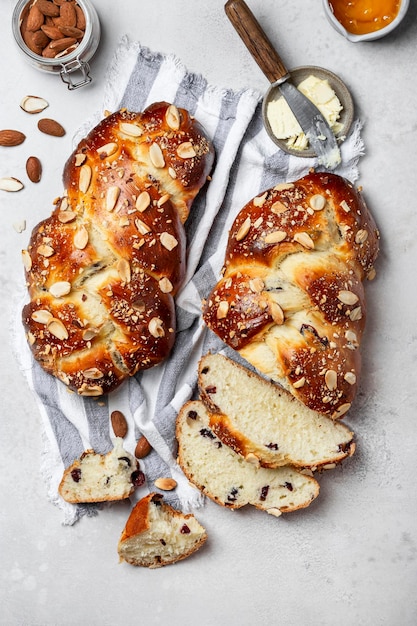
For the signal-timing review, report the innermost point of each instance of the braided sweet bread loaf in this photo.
(291, 298)
(102, 271)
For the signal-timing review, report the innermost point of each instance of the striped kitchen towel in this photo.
(247, 162)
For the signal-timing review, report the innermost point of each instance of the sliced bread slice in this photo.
(101, 477)
(228, 479)
(157, 534)
(258, 418)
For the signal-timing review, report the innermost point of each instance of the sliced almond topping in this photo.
(356, 314)
(260, 200)
(80, 159)
(112, 196)
(345, 206)
(108, 149)
(89, 333)
(256, 285)
(60, 288)
(284, 186)
(222, 309)
(173, 117)
(371, 274)
(123, 268)
(45, 250)
(66, 216)
(142, 227)
(156, 327)
(330, 378)
(163, 199)
(274, 511)
(27, 260)
(42, 316)
(143, 201)
(90, 390)
(343, 408)
(85, 178)
(57, 328)
(305, 240)
(165, 285)
(317, 202)
(351, 336)
(168, 241)
(299, 383)
(278, 207)
(350, 378)
(130, 129)
(94, 373)
(243, 230)
(276, 312)
(156, 156)
(275, 237)
(361, 236)
(347, 297)
(166, 484)
(172, 172)
(64, 204)
(81, 238)
(186, 150)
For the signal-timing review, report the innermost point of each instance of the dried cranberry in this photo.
(232, 497)
(272, 446)
(125, 459)
(76, 475)
(185, 530)
(288, 486)
(164, 543)
(138, 478)
(192, 415)
(204, 370)
(205, 432)
(264, 493)
(211, 389)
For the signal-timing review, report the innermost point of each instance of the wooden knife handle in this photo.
(255, 40)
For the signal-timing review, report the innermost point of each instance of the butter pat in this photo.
(283, 122)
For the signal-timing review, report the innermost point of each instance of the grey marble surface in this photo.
(351, 558)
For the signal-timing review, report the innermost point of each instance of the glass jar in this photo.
(72, 67)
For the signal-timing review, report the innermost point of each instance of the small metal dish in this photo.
(377, 34)
(342, 92)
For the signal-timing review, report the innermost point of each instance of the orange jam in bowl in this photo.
(361, 17)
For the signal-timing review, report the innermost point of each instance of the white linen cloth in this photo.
(247, 162)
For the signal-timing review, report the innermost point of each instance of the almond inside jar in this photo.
(50, 30)
(361, 17)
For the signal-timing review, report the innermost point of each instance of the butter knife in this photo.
(312, 122)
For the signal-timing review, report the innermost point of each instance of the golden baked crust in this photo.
(291, 299)
(102, 271)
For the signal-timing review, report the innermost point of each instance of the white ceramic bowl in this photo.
(369, 36)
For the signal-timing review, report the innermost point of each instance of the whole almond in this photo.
(119, 424)
(47, 8)
(51, 127)
(39, 38)
(11, 138)
(62, 44)
(51, 31)
(49, 53)
(34, 169)
(35, 19)
(68, 15)
(80, 18)
(71, 31)
(166, 484)
(143, 448)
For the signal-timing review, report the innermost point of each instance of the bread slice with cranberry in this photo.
(230, 480)
(156, 534)
(258, 418)
(101, 477)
